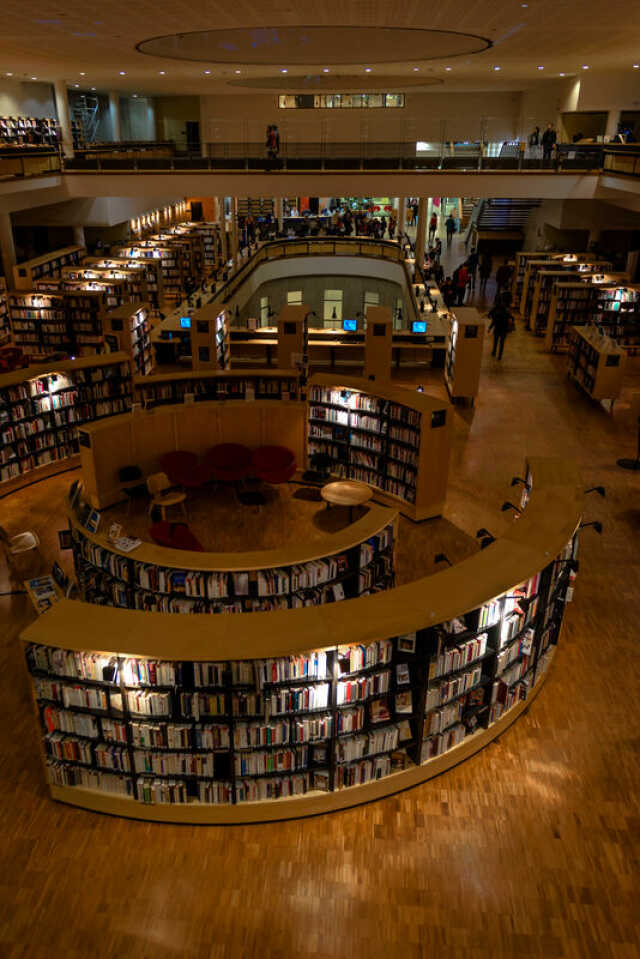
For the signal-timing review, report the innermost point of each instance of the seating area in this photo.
(183, 470)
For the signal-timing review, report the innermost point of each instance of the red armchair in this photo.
(228, 462)
(274, 464)
(183, 469)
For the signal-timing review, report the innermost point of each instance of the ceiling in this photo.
(95, 45)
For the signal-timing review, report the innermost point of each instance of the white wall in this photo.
(609, 91)
(426, 116)
(26, 99)
(100, 212)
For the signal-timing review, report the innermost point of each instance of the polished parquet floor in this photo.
(525, 850)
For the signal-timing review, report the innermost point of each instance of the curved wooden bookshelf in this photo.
(511, 592)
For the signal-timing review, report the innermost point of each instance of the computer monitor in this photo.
(185, 322)
(350, 326)
(419, 326)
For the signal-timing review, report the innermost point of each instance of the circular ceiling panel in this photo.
(300, 46)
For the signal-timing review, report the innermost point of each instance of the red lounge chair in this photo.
(274, 464)
(228, 462)
(176, 536)
(183, 469)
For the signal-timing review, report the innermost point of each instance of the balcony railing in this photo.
(509, 157)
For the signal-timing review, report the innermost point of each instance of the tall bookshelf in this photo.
(143, 277)
(372, 434)
(596, 363)
(613, 306)
(20, 131)
(5, 319)
(41, 408)
(49, 265)
(39, 322)
(126, 329)
(176, 737)
(463, 358)
(162, 389)
(170, 260)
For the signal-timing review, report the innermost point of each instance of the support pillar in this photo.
(222, 226)
(235, 245)
(114, 114)
(402, 216)
(613, 119)
(421, 233)
(64, 116)
(7, 249)
(279, 201)
(78, 236)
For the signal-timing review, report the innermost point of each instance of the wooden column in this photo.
(291, 336)
(378, 341)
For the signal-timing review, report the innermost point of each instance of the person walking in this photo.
(450, 224)
(486, 265)
(501, 324)
(433, 226)
(437, 250)
(549, 138)
(503, 278)
(461, 284)
(472, 266)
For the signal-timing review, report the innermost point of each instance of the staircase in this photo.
(500, 223)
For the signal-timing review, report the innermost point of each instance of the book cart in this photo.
(274, 715)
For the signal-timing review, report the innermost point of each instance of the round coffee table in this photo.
(349, 493)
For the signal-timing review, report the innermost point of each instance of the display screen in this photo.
(350, 326)
(419, 326)
(185, 322)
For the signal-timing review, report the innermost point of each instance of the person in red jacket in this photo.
(461, 284)
(433, 226)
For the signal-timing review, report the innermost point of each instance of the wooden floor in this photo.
(524, 850)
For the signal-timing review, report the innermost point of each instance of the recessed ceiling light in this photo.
(207, 71)
(636, 66)
(82, 74)
(540, 68)
(122, 73)
(9, 74)
(585, 66)
(162, 73)
(325, 70)
(525, 5)
(497, 68)
(238, 71)
(448, 68)
(367, 69)
(563, 74)
(34, 78)
(284, 70)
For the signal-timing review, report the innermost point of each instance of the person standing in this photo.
(501, 321)
(433, 226)
(414, 210)
(450, 224)
(549, 138)
(486, 265)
